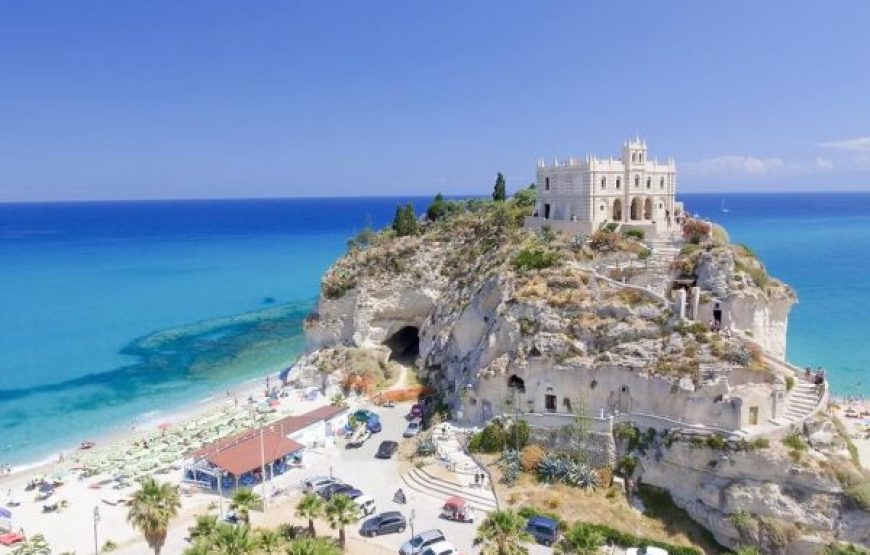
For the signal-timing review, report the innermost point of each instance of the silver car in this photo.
(414, 427)
(317, 483)
(421, 541)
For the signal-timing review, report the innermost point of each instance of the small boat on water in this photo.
(85, 445)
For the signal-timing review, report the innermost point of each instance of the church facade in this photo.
(632, 191)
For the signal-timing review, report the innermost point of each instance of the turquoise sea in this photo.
(120, 312)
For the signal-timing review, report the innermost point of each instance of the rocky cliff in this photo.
(502, 320)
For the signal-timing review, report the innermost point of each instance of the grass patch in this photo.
(535, 259)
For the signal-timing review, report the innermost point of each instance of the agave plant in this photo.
(552, 468)
(426, 447)
(580, 475)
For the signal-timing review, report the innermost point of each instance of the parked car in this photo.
(386, 449)
(332, 490)
(374, 425)
(363, 415)
(366, 505)
(440, 548)
(390, 522)
(544, 530)
(415, 412)
(648, 550)
(316, 483)
(421, 541)
(413, 428)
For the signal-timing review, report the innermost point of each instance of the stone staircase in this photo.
(424, 481)
(803, 399)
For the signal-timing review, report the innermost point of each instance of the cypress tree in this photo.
(499, 192)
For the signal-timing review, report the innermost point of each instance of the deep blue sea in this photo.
(118, 312)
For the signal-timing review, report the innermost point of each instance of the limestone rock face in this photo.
(758, 497)
(495, 339)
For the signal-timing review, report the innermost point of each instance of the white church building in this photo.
(634, 191)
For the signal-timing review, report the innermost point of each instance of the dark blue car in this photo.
(374, 425)
(544, 530)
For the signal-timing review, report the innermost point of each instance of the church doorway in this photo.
(617, 210)
(647, 209)
(717, 313)
(635, 209)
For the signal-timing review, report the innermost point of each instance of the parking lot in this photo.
(380, 479)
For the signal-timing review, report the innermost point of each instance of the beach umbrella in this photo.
(164, 426)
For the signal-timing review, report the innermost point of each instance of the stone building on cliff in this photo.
(632, 191)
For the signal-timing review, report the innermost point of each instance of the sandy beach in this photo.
(855, 416)
(96, 481)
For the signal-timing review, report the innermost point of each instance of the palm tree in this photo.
(311, 506)
(36, 545)
(341, 511)
(313, 546)
(151, 509)
(243, 501)
(231, 540)
(205, 525)
(269, 541)
(503, 533)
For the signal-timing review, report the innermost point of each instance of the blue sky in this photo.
(193, 99)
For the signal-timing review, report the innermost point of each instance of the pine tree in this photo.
(437, 209)
(499, 192)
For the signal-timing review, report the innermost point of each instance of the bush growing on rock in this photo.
(696, 230)
(531, 456)
(535, 259)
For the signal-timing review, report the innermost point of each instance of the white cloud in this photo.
(733, 165)
(860, 145)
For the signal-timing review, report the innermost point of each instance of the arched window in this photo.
(634, 157)
(546, 183)
(603, 182)
(636, 181)
(662, 183)
(648, 182)
(618, 182)
(640, 157)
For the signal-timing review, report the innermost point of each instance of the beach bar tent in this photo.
(239, 460)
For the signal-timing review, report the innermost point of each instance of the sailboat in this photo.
(723, 206)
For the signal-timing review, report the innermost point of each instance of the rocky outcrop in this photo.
(508, 321)
(760, 497)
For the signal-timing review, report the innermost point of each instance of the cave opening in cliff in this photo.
(404, 345)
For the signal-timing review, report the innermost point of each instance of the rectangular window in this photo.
(550, 403)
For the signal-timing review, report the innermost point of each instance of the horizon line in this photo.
(394, 196)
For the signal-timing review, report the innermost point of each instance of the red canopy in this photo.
(454, 503)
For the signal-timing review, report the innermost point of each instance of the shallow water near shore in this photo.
(115, 313)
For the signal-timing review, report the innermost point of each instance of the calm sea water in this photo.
(112, 313)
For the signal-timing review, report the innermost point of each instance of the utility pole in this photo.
(96, 521)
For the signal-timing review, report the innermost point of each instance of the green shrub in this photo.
(626, 465)
(859, 492)
(845, 549)
(474, 444)
(789, 383)
(492, 438)
(636, 233)
(761, 443)
(644, 254)
(517, 436)
(535, 259)
(610, 228)
(716, 441)
(624, 539)
(628, 433)
(794, 442)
